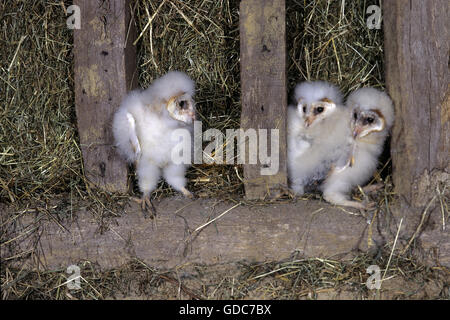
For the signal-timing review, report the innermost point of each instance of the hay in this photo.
(329, 40)
(39, 150)
(313, 278)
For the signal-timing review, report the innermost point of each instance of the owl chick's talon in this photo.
(355, 204)
(289, 193)
(369, 205)
(372, 188)
(187, 193)
(146, 206)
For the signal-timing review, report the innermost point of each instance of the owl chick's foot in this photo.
(297, 190)
(285, 191)
(147, 207)
(369, 205)
(372, 188)
(365, 205)
(187, 193)
(338, 199)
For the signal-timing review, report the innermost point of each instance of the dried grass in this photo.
(330, 40)
(39, 150)
(313, 278)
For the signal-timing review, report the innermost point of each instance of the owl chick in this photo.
(143, 127)
(312, 143)
(372, 116)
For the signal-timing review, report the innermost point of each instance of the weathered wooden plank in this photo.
(416, 48)
(263, 85)
(105, 69)
(243, 233)
(239, 233)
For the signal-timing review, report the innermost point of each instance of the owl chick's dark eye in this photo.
(370, 120)
(304, 109)
(320, 109)
(355, 116)
(183, 104)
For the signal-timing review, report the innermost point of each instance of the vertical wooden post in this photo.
(416, 48)
(263, 85)
(105, 69)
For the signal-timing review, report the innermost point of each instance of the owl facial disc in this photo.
(318, 111)
(181, 108)
(367, 121)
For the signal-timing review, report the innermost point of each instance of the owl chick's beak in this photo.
(352, 161)
(309, 121)
(191, 115)
(357, 131)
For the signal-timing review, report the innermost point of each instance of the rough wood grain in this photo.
(263, 85)
(105, 65)
(244, 233)
(417, 56)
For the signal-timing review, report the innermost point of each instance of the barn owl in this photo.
(143, 127)
(372, 116)
(315, 130)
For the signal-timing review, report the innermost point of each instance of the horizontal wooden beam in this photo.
(205, 231)
(182, 233)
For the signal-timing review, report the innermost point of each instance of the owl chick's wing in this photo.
(124, 127)
(134, 141)
(345, 160)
